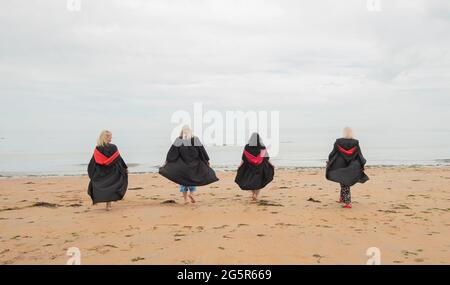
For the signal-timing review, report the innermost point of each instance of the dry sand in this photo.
(405, 212)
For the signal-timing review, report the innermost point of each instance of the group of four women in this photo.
(187, 164)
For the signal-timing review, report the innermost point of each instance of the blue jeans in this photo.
(184, 189)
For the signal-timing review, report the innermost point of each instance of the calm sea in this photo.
(67, 153)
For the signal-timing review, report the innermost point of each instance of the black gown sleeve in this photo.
(91, 168)
(173, 153)
(361, 157)
(114, 148)
(203, 153)
(122, 162)
(201, 149)
(333, 152)
(267, 156)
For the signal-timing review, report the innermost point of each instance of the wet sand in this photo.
(405, 212)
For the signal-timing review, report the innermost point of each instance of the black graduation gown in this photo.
(187, 164)
(107, 182)
(250, 176)
(344, 165)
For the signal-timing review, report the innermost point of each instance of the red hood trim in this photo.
(347, 152)
(255, 160)
(101, 159)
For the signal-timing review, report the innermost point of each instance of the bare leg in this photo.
(257, 194)
(191, 196)
(185, 195)
(254, 195)
(108, 206)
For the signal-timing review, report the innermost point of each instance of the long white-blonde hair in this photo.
(347, 133)
(103, 138)
(186, 132)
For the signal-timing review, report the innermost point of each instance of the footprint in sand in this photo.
(387, 211)
(268, 203)
(4, 251)
(137, 259)
(406, 254)
(326, 226)
(221, 227)
(318, 257)
(400, 207)
(103, 249)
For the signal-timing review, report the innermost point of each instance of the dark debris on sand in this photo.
(313, 200)
(45, 205)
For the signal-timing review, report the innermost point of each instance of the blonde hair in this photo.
(186, 132)
(347, 133)
(102, 139)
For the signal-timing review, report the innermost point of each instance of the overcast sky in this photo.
(131, 64)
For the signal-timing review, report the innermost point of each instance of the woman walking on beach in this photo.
(256, 169)
(187, 164)
(345, 165)
(107, 171)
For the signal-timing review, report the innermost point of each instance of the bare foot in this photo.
(192, 199)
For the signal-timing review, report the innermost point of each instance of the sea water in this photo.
(27, 153)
